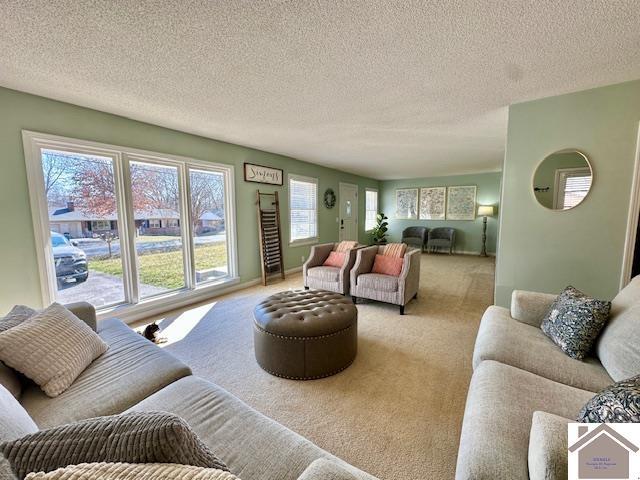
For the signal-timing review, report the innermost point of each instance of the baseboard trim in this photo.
(467, 252)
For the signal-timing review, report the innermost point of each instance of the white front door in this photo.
(348, 223)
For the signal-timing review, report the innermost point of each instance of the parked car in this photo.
(71, 262)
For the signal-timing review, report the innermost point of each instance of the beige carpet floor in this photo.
(396, 412)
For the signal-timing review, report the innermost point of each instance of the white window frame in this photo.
(560, 182)
(307, 240)
(157, 223)
(133, 308)
(374, 190)
(173, 223)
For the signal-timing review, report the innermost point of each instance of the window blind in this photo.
(371, 209)
(303, 207)
(574, 188)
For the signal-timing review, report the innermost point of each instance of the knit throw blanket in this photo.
(395, 250)
(345, 246)
(128, 471)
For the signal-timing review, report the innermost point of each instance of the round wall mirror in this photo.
(562, 180)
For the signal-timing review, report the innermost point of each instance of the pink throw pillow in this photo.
(335, 259)
(387, 265)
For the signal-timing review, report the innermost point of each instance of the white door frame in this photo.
(632, 220)
(356, 206)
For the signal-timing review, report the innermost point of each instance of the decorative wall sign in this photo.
(329, 198)
(407, 203)
(461, 203)
(432, 201)
(260, 174)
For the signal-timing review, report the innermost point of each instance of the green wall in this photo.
(468, 232)
(19, 281)
(545, 250)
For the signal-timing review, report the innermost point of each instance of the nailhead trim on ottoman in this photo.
(305, 334)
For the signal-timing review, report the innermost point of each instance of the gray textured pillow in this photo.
(52, 348)
(8, 377)
(137, 437)
(618, 403)
(15, 422)
(126, 471)
(574, 322)
(16, 316)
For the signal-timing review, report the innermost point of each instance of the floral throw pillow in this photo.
(574, 321)
(618, 403)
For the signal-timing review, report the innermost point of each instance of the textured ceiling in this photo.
(388, 89)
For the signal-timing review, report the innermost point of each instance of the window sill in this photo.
(129, 313)
(303, 242)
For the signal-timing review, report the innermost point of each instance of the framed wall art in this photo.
(262, 174)
(461, 202)
(432, 202)
(407, 203)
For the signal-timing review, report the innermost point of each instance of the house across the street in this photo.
(78, 223)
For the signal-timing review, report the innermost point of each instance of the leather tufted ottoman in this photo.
(305, 334)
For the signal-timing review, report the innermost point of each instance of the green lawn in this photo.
(165, 270)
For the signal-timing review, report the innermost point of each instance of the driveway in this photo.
(101, 289)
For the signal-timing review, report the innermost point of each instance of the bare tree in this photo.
(54, 167)
(57, 170)
(95, 187)
(207, 194)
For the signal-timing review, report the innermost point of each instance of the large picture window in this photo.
(120, 227)
(303, 209)
(370, 209)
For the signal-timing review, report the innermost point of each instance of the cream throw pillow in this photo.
(133, 471)
(52, 348)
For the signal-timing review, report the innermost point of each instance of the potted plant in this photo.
(379, 232)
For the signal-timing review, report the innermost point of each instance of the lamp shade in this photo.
(485, 211)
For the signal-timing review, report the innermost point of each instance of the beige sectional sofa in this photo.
(524, 388)
(136, 375)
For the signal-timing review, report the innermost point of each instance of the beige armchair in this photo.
(334, 279)
(385, 288)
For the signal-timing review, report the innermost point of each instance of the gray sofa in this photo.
(135, 374)
(524, 390)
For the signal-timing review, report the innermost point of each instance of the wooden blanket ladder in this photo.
(270, 235)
